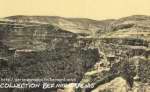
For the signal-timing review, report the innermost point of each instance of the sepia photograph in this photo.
(74, 45)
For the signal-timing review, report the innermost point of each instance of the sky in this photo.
(93, 9)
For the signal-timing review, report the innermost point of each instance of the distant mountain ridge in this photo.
(76, 25)
(84, 25)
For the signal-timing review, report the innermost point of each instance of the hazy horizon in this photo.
(91, 9)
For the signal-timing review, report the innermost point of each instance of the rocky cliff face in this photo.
(126, 48)
(106, 53)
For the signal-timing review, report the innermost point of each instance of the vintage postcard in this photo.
(74, 46)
